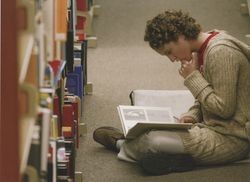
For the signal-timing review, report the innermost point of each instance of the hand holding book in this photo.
(186, 119)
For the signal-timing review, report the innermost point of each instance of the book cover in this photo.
(48, 18)
(73, 84)
(70, 51)
(44, 119)
(136, 120)
(60, 19)
(57, 110)
(68, 121)
(81, 5)
(34, 158)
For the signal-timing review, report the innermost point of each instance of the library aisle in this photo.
(65, 67)
(122, 62)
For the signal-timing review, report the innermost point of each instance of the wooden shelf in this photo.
(9, 160)
(27, 126)
(26, 43)
(33, 37)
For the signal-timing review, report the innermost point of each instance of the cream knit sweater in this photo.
(223, 91)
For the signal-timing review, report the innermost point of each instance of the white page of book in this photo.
(179, 100)
(131, 115)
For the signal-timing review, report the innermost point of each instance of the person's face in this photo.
(177, 50)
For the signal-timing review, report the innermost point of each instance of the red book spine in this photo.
(80, 22)
(55, 64)
(68, 121)
(81, 5)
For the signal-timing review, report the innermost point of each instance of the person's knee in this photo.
(151, 141)
(162, 141)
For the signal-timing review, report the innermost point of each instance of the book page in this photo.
(178, 100)
(136, 120)
(131, 115)
(159, 115)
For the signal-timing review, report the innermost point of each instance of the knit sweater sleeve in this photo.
(194, 112)
(219, 95)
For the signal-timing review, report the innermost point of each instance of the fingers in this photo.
(181, 71)
(187, 119)
(184, 66)
(194, 55)
(186, 63)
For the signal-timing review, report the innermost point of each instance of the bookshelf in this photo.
(86, 12)
(41, 110)
(9, 170)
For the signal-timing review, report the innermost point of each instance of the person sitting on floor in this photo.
(216, 69)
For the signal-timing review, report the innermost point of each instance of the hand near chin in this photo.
(187, 67)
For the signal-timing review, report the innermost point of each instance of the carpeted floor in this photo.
(123, 62)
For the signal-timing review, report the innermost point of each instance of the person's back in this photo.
(228, 67)
(242, 52)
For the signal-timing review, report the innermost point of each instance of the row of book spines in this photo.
(55, 133)
(28, 98)
(54, 23)
(69, 129)
(60, 162)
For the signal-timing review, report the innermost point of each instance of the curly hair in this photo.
(167, 27)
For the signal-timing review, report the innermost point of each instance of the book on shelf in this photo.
(75, 101)
(54, 127)
(52, 161)
(70, 50)
(34, 158)
(44, 120)
(28, 100)
(136, 120)
(71, 15)
(68, 125)
(57, 110)
(49, 22)
(80, 58)
(27, 126)
(65, 159)
(82, 5)
(58, 67)
(40, 45)
(74, 81)
(70, 153)
(60, 20)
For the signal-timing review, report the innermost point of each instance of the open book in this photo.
(136, 120)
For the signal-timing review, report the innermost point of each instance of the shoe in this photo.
(108, 137)
(160, 164)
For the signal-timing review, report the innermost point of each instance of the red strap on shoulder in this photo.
(202, 49)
